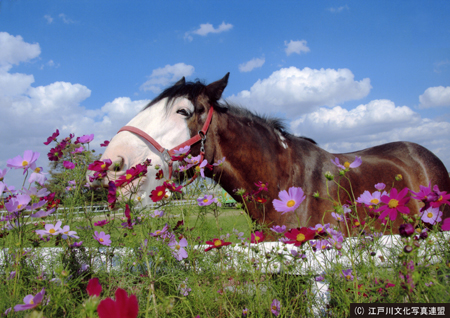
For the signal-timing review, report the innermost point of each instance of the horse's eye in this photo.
(183, 112)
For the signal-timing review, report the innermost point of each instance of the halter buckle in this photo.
(202, 141)
(166, 156)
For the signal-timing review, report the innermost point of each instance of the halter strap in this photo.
(167, 154)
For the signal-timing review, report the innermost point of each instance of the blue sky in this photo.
(349, 74)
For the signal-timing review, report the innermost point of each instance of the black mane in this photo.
(191, 90)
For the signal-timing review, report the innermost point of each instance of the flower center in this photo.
(51, 231)
(348, 277)
(300, 237)
(374, 201)
(128, 176)
(19, 206)
(103, 166)
(263, 185)
(356, 223)
(31, 302)
(290, 203)
(347, 165)
(37, 170)
(157, 232)
(274, 307)
(257, 238)
(429, 215)
(160, 193)
(393, 203)
(217, 243)
(182, 286)
(24, 163)
(101, 240)
(319, 229)
(205, 200)
(177, 247)
(440, 198)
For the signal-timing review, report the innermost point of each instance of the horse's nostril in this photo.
(117, 165)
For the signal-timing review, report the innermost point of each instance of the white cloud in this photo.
(339, 9)
(296, 47)
(435, 97)
(48, 18)
(296, 92)
(252, 64)
(166, 75)
(14, 50)
(65, 19)
(339, 130)
(208, 28)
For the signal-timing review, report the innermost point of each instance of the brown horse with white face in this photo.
(259, 149)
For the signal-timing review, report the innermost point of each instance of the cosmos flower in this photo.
(370, 199)
(52, 137)
(105, 143)
(206, 200)
(275, 307)
(262, 186)
(101, 223)
(94, 288)
(431, 215)
(219, 163)
(31, 301)
(68, 165)
(183, 288)
(278, 229)
(50, 229)
(355, 164)
(102, 238)
(158, 194)
(42, 213)
(100, 165)
(299, 236)
(24, 162)
(180, 154)
(66, 232)
(131, 174)
(17, 203)
(347, 274)
(446, 225)
(158, 214)
(85, 139)
(394, 202)
(380, 186)
(289, 201)
(122, 307)
(178, 250)
(216, 243)
(257, 237)
(37, 175)
(160, 232)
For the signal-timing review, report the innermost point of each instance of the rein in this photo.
(167, 154)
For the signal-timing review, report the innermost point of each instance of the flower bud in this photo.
(423, 235)
(399, 177)
(408, 249)
(416, 244)
(338, 246)
(329, 175)
(406, 230)
(316, 194)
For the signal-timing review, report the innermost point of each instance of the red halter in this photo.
(167, 154)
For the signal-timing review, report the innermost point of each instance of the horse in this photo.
(259, 148)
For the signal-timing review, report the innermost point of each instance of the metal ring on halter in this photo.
(166, 156)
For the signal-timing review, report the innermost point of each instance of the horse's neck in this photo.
(254, 152)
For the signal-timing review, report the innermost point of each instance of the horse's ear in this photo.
(215, 90)
(180, 82)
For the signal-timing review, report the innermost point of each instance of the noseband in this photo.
(167, 154)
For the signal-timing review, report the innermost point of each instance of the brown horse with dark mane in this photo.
(258, 148)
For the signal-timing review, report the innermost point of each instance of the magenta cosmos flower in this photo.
(347, 165)
(394, 202)
(31, 301)
(24, 162)
(52, 137)
(257, 237)
(122, 307)
(84, 139)
(102, 238)
(289, 201)
(446, 225)
(94, 288)
(69, 165)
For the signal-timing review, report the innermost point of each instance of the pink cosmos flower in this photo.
(206, 200)
(160, 232)
(84, 139)
(380, 186)
(431, 215)
(122, 307)
(102, 238)
(202, 167)
(193, 161)
(446, 225)
(371, 199)
(278, 229)
(50, 229)
(2, 187)
(289, 201)
(423, 194)
(180, 154)
(183, 288)
(66, 232)
(216, 243)
(347, 165)
(69, 165)
(257, 237)
(31, 301)
(337, 216)
(105, 143)
(275, 307)
(52, 137)
(262, 186)
(219, 163)
(394, 202)
(77, 150)
(178, 250)
(101, 223)
(42, 213)
(24, 162)
(37, 175)
(94, 288)
(442, 197)
(347, 274)
(158, 214)
(18, 203)
(99, 165)
(3, 173)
